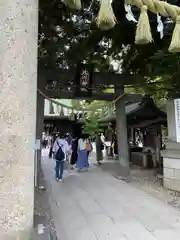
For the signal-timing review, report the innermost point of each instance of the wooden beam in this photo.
(99, 78)
(145, 123)
(116, 79)
(71, 95)
(132, 98)
(95, 96)
(57, 75)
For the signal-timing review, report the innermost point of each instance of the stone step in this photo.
(173, 145)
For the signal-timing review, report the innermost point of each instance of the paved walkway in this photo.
(96, 206)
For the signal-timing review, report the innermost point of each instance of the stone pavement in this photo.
(96, 206)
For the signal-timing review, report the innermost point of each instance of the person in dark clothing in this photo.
(69, 139)
(115, 144)
(74, 152)
(53, 138)
(115, 147)
(99, 149)
(50, 150)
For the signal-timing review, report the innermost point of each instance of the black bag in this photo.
(60, 156)
(102, 146)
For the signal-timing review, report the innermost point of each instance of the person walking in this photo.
(45, 137)
(69, 138)
(103, 141)
(82, 160)
(74, 154)
(51, 146)
(99, 149)
(43, 140)
(89, 148)
(60, 150)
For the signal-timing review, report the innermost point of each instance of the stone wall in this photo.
(172, 172)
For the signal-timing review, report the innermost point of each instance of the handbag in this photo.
(88, 147)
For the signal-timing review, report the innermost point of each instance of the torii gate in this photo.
(18, 97)
(58, 84)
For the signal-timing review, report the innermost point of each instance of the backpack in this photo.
(60, 156)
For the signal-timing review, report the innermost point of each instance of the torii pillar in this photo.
(18, 80)
(122, 139)
(39, 129)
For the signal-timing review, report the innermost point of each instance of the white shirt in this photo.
(82, 144)
(102, 138)
(64, 145)
(43, 136)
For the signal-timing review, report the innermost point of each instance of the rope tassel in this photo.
(74, 4)
(175, 42)
(143, 30)
(106, 18)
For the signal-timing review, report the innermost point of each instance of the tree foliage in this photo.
(156, 90)
(166, 65)
(91, 125)
(163, 80)
(67, 37)
(96, 109)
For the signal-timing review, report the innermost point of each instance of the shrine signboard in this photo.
(83, 81)
(177, 118)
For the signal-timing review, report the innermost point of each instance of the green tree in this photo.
(155, 89)
(78, 104)
(166, 65)
(91, 125)
(91, 119)
(163, 81)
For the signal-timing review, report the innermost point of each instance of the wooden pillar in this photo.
(122, 139)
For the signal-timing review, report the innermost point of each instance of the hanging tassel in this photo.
(74, 4)
(106, 18)
(143, 31)
(175, 42)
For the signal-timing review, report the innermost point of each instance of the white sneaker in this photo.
(60, 180)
